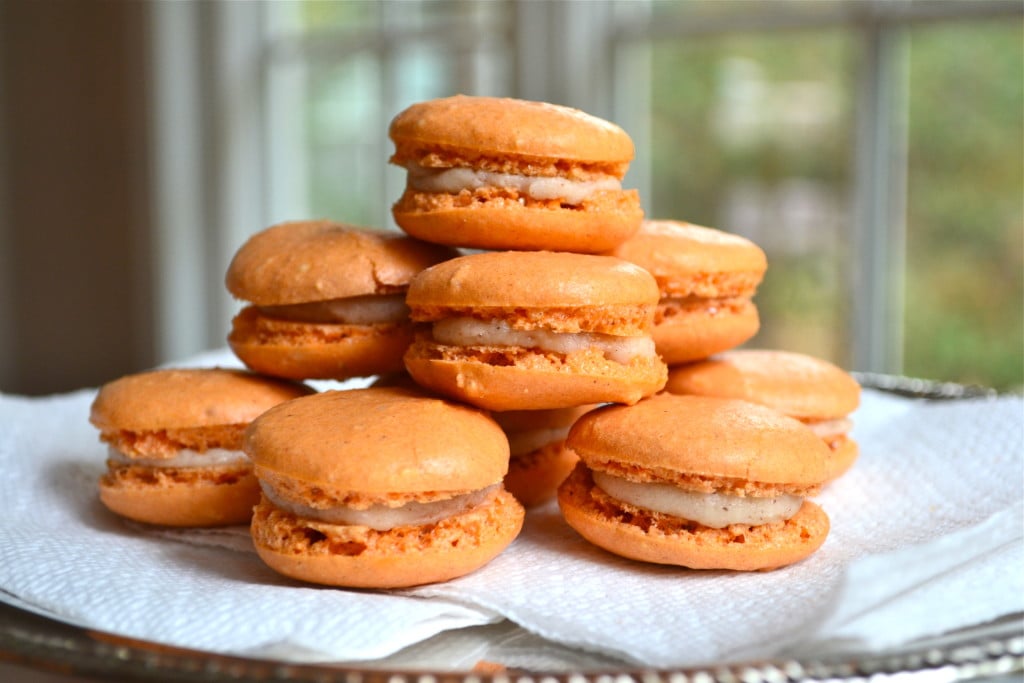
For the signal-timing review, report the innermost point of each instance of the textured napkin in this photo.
(62, 554)
(927, 536)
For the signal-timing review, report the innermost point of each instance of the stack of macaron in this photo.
(524, 326)
(500, 297)
(537, 322)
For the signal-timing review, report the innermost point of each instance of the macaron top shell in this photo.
(795, 384)
(187, 398)
(675, 252)
(379, 441)
(705, 437)
(305, 261)
(504, 126)
(534, 279)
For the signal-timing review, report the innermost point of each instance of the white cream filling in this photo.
(521, 443)
(383, 517)
(707, 305)
(827, 429)
(211, 457)
(473, 332)
(454, 180)
(715, 510)
(371, 309)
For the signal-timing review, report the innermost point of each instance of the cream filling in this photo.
(715, 510)
(521, 443)
(473, 332)
(827, 429)
(455, 180)
(372, 309)
(211, 457)
(383, 517)
(707, 305)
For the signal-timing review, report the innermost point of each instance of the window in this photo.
(338, 72)
(872, 149)
(964, 316)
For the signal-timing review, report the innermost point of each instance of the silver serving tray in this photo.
(986, 652)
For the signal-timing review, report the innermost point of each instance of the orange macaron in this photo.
(707, 279)
(532, 330)
(539, 459)
(508, 174)
(812, 390)
(380, 488)
(175, 443)
(325, 300)
(705, 483)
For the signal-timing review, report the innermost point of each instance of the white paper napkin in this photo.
(927, 535)
(64, 555)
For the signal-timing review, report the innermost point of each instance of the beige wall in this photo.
(75, 273)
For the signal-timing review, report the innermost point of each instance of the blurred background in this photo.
(875, 150)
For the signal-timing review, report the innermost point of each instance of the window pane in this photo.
(342, 71)
(753, 135)
(965, 255)
(343, 118)
(318, 16)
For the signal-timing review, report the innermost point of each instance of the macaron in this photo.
(814, 391)
(533, 330)
(380, 488)
(174, 440)
(325, 300)
(508, 174)
(539, 460)
(707, 279)
(705, 483)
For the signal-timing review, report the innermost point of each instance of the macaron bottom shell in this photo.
(682, 335)
(500, 222)
(653, 537)
(510, 378)
(191, 497)
(360, 557)
(296, 350)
